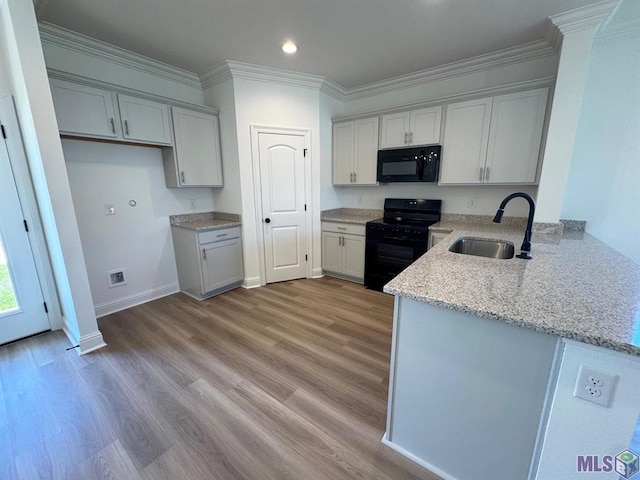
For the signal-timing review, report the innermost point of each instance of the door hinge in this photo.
(305, 152)
(306, 258)
(4, 132)
(26, 226)
(46, 309)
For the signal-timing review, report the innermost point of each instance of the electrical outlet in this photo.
(595, 386)
(192, 204)
(115, 278)
(472, 203)
(109, 209)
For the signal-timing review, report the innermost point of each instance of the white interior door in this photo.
(282, 176)
(22, 310)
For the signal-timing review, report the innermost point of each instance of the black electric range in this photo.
(397, 240)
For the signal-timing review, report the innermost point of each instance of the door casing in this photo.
(256, 130)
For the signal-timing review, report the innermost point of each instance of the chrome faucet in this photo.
(526, 244)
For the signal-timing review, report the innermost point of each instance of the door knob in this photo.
(267, 220)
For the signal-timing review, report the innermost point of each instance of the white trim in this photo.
(232, 69)
(257, 191)
(584, 17)
(543, 82)
(317, 273)
(62, 37)
(123, 303)
(508, 56)
(253, 282)
(91, 342)
(424, 464)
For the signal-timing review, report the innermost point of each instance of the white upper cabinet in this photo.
(355, 152)
(515, 134)
(144, 120)
(84, 111)
(494, 140)
(466, 134)
(198, 161)
(416, 127)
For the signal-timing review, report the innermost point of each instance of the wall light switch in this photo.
(109, 209)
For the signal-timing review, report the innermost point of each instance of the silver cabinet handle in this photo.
(113, 125)
(486, 174)
(406, 137)
(222, 235)
(481, 173)
(410, 137)
(126, 127)
(204, 254)
(353, 177)
(182, 176)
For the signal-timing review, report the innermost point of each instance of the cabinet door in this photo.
(466, 135)
(354, 256)
(424, 126)
(514, 137)
(343, 153)
(144, 120)
(394, 130)
(197, 143)
(332, 252)
(82, 110)
(366, 151)
(221, 264)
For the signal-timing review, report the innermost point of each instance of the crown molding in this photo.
(239, 70)
(543, 82)
(64, 38)
(591, 16)
(508, 56)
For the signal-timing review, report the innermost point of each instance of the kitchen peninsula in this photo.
(486, 353)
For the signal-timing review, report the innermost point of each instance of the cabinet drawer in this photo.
(218, 235)
(337, 227)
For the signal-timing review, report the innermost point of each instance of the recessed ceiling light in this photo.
(289, 47)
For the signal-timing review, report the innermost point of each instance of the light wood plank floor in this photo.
(287, 381)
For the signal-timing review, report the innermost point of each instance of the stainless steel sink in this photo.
(483, 248)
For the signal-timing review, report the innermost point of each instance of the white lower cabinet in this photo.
(208, 262)
(343, 250)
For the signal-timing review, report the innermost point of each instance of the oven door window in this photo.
(394, 256)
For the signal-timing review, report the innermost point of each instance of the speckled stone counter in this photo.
(204, 222)
(575, 286)
(358, 216)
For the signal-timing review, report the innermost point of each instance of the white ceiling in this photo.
(352, 42)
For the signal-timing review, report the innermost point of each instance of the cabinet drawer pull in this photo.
(113, 125)
(126, 127)
(481, 173)
(341, 228)
(222, 235)
(204, 254)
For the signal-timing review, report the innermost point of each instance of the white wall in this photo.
(272, 105)
(30, 88)
(221, 96)
(137, 239)
(577, 427)
(604, 177)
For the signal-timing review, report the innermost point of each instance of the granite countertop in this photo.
(358, 216)
(204, 222)
(575, 286)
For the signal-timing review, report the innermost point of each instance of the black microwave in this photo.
(419, 164)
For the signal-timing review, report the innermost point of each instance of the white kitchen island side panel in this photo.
(467, 393)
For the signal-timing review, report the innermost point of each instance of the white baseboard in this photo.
(418, 460)
(252, 282)
(317, 273)
(85, 343)
(114, 306)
